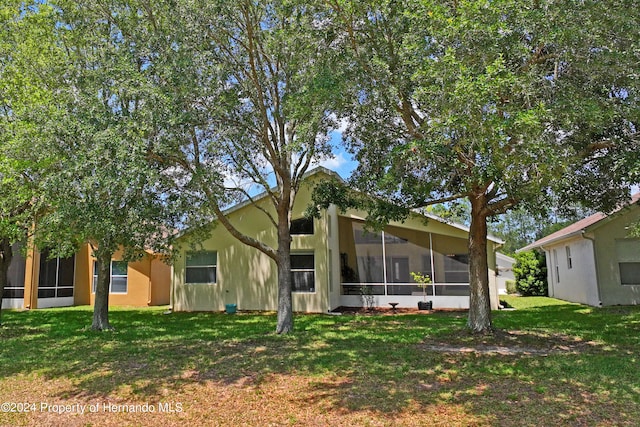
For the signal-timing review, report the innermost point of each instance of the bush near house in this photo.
(530, 271)
(511, 287)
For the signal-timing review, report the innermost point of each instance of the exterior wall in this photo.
(578, 283)
(246, 276)
(612, 292)
(333, 241)
(84, 276)
(160, 282)
(504, 272)
(148, 283)
(31, 279)
(494, 299)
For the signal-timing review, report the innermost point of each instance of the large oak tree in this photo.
(245, 89)
(102, 188)
(496, 102)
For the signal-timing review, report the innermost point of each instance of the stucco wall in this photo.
(611, 291)
(247, 277)
(578, 283)
(138, 283)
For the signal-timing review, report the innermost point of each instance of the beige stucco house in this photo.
(595, 261)
(39, 281)
(333, 258)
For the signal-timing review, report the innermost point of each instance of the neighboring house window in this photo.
(55, 279)
(119, 280)
(557, 267)
(201, 267)
(569, 262)
(628, 254)
(629, 273)
(302, 226)
(303, 274)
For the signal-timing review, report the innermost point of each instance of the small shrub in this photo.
(367, 297)
(531, 274)
(511, 287)
(422, 280)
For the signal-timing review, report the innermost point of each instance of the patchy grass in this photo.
(567, 364)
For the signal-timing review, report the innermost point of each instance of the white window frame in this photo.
(313, 270)
(569, 260)
(111, 276)
(627, 253)
(214, 266)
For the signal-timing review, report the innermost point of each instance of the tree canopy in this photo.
(102, 189)
(27, 100)
(496, 102)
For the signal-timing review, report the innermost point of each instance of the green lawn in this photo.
(551, 363)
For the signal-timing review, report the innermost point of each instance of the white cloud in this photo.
(335, 162)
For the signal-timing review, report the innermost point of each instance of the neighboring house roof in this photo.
(506, 259)
(577, 228)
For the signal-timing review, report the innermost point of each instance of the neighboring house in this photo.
(594, 261)
(504, 272)
(332, 259)
(38, 282)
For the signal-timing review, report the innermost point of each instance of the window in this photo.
(201, 267)
(629, 273)
(557, 267)
(119, 279)
(302, 226)
(55, 278)
(569, 262)
(628, 254)
(303, 275)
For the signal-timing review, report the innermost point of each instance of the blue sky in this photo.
(342, 162)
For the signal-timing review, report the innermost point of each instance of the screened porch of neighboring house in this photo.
(13, 295)
(381, 263)
(55, 280)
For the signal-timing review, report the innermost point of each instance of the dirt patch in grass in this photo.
(277, 399)
(384, 311)
(509, 343)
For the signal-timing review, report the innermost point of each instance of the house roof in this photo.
(578, 227)
(321, 169)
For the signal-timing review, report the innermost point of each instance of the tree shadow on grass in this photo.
(377, 362)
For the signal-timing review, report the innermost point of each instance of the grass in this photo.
(571, 365)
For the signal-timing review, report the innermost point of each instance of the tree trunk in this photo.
(6, 254)
(285, 304)
(479, 304)
(101, 305)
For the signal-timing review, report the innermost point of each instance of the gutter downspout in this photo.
(595, 265)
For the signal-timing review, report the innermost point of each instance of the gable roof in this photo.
(578, 227)
(323, 170)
